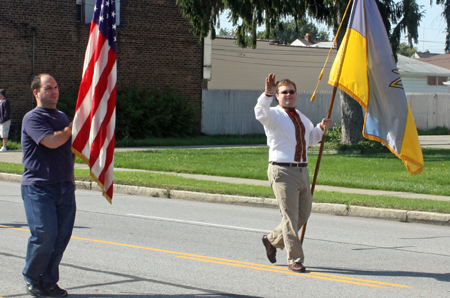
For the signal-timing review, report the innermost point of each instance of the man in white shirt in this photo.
(289, 134)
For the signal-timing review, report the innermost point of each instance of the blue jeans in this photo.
(50, 212)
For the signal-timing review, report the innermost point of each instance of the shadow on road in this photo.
(438, 276)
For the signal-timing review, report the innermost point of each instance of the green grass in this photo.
(12, 145)
(388, 202)
(250, 139)
(167, 181)
(11, 168)
(382, 171)
(439, 130)
(195, 141)
(15, 168)
(228, 162)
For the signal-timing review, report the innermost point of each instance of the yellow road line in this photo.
(311, 272)
(235, 263)
(286, 272)
(19, 229)
(365, 280)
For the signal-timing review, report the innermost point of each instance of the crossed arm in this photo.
(57, 138)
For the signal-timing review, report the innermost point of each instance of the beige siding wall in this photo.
(245, 69)
(417, 84)
(430, 109)
(231, 111)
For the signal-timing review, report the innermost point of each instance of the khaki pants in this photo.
(292, 191)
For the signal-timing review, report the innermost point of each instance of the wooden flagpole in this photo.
(316, 172)
(330, 109)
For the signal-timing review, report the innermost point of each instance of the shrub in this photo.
(334, 141)
(439, 130)
(67, 103)
(153, 114)
(142, 114)
(335, 133)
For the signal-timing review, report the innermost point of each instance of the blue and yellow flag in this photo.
(365, 69)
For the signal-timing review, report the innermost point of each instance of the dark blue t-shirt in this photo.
(5, 110)
(43, 165)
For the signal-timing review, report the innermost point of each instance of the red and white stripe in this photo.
(93, 136)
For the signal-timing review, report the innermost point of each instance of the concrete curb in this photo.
(10, 177)
(416, 216)
(218, 198)
(394, 214)
(336, 209)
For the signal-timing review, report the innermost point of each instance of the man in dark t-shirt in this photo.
(48, 189)
(5, 118)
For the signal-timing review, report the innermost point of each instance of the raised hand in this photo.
(270, 84)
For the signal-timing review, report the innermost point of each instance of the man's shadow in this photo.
(438, 276)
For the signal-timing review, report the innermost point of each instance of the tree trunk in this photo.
(352, 120)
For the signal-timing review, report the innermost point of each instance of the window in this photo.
(437, 81)
(85, 11)
(441, 80)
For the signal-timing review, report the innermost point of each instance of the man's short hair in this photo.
(285, 82)
(3, 92)
(36, 82)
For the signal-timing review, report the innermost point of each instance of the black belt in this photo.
(290, 164)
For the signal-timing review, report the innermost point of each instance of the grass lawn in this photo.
(382, 171)
(373, 171)
(167, 181)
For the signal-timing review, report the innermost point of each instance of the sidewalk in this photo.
(15, 156)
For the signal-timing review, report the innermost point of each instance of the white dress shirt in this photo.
(280, 130)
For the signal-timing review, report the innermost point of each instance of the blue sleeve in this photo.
(7, 110)
(37, 128)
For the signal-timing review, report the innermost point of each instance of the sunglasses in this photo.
(286, 92)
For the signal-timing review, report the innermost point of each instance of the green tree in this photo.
(446, 14)
(406, 50)
(289, 32)
(247, 15)
(323, 36)
(402, 17)
(225, 32)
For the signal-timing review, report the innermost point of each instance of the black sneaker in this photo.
(35, 290)
(56, 291)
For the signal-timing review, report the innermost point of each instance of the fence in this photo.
(231, 111)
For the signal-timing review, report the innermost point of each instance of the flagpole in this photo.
(316, 171)
(330, 109)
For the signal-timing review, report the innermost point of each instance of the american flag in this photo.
(94, 122)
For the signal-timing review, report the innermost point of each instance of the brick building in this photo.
(155, 48)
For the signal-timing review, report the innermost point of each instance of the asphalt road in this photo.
(155, 247)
